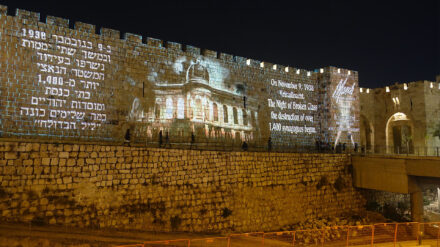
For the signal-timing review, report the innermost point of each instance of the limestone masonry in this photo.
(405, 118)
(63, 84)
(70, 98)
(163, 190)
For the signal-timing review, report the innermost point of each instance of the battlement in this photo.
(95, 83)
(33, 18)
(402, 86)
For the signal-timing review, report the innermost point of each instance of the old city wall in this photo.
(432, 101)
(166, 189)
(419, 101)
(73, 88)
(64, 83)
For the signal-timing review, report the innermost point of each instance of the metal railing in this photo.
(254, 145)
(404, 234)
(402, 151)
(268, 146)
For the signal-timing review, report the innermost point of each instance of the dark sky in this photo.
(386, 41)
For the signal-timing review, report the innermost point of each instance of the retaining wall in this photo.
(166, 189)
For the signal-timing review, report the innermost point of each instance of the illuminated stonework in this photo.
(74, 85)
(403, 119)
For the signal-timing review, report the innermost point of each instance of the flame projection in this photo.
(342, 119)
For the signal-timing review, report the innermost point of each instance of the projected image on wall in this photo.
(96, 90)
(344, 108)
(196, 96)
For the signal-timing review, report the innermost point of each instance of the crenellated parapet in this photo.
(415, 85)
(82, 82)
(33, 18)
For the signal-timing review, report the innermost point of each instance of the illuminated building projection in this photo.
(198, 101)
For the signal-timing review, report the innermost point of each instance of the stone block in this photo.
(44, 201)
(62, 162)
(28, 162)
(54, 161)
(71, 162)
(64, 155)
(90, 161)
(11, 155)
(29, 170)
(67, 180)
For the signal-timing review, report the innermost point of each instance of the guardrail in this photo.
(267, 145)
(403, 151)
(404, 234)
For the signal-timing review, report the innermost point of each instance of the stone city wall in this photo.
(165, 189)
(59, 83)
(404, 118)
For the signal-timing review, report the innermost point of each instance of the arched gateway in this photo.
(399, 134)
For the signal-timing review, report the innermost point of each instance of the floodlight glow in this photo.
(321, 70)
(432, 85)
(248, 62)
(349, 72)
(286, 69)
(308, 73)
(361, 90)
(405, 86)
(400, 116)
(339, 71)
(387, 89)
(297, 71)
(368, 90)
(262, 65)
(274, 67)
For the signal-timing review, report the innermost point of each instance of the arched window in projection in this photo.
(225, 114)
(237, 136)
(244, 115)
(198, 112)
(157, 111)
(206, 110)
(215, 111)
(190, 108)
(234, 111)
(180, 108)
(253, 119)
(169, 109)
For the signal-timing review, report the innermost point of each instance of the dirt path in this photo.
(23, 235)
(15, 235)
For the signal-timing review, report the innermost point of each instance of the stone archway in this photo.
(367, 134)
(399, 133)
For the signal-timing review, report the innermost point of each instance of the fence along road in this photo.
(378, 235)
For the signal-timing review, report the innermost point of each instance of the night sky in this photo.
(385, 41)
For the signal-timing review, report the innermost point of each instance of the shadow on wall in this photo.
(393, 206)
